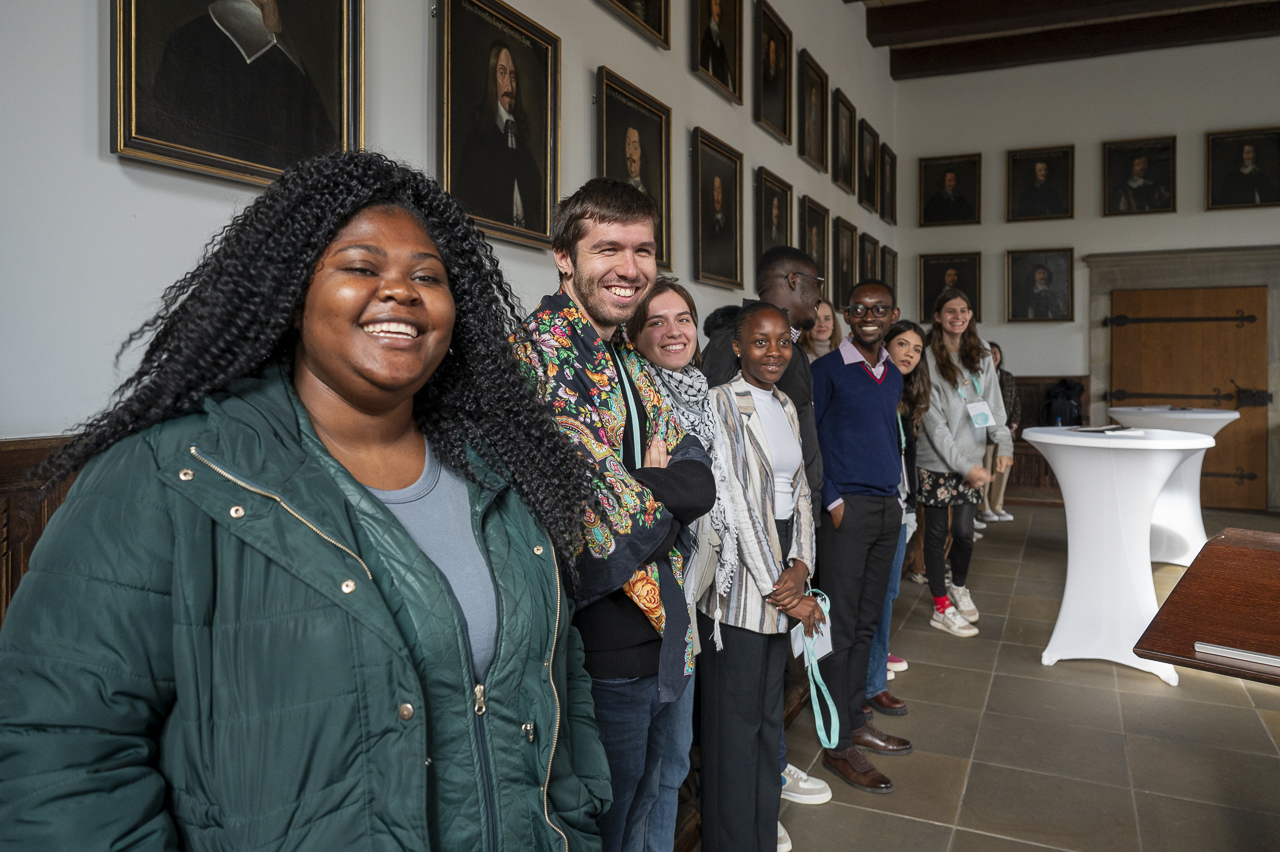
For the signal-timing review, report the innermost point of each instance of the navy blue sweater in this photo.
(857, 419)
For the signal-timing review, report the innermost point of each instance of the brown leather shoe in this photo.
(873, 739)
(867, 711)
(885, 703)
(853, 766)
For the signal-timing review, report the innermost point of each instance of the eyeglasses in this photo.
(877, 311)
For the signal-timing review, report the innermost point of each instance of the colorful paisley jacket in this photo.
(575, 374)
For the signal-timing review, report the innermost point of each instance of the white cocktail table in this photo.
(1177, 528)
(1109, 487)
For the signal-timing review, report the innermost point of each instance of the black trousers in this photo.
(935, 543)
(855, 562)
(742, 694)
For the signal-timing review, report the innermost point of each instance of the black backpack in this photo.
(1062, 408)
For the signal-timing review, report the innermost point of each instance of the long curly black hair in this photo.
(233, 315)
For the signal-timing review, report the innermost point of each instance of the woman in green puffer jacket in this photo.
(304, 593)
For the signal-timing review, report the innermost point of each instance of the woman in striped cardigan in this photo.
(743, 617)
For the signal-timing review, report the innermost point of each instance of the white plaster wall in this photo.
(1184, 91)
(89, 240)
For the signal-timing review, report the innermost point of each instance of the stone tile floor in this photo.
(1013, 756)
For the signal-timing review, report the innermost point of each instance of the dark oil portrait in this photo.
(773, 211)
(889, 268)
(950, 190)
(1040, 184)
(633, 132)
(717, 45)
(773, 73)
(888, 185)
(868, 257)
(717, 176)
(844, 269)
(1138, 176)
(1039, 286)
(814, 227)
(939, 271)
(1243, 168)
(236, 88)
(843, 118)
(650, 17)
(868, 166)
(813, 112)
(501, 80)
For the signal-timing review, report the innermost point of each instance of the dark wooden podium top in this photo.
(1229, 596)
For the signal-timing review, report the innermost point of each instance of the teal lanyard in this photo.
(977, 385)
(633, 418)
(902, 436)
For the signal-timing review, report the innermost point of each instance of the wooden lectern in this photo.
(1224, 614)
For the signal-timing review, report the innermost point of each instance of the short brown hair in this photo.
(665, 284)
(603, 200)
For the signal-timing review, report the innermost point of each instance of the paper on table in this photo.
(821, 640)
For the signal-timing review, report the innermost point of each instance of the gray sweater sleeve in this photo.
(951, 443)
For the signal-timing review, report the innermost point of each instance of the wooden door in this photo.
(1201, 348)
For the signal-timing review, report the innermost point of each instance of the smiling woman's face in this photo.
(670, 335)
(764, 348)
(378, 317)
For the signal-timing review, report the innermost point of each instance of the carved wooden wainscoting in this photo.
(1032, 481)
(21, 521)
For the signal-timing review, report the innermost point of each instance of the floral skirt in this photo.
(946, 489)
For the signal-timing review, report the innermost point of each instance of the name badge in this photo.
(980, 414)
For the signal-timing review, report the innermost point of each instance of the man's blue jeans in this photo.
(640, 735)
(877, 677)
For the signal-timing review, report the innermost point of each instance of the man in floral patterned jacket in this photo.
(653, 481)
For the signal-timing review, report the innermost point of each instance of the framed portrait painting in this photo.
(1040, 183)
(1139, 176)
(951, 190)
(717, 211)
(868, 257)
(773, 211)
(651, 17)
(500, 133)
(633, 141)
(814, 227)
(813, 111)
(717, 45)
(844, 237)
(889, 268)
(1038, 285)
(961, 271)
(843, 120)
(773, 73)
(1242, 168)
(868, 166)
(888, 184)
(236, 89)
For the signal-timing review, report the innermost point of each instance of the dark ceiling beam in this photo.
(936, 21)
(1257, 20)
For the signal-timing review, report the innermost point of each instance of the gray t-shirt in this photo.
(436, 513)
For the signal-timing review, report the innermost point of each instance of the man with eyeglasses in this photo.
(856, 389)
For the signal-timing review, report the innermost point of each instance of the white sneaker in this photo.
(797, 786)
(979, 525)
(1004, 516)
(889, 675)
(784, 839)
(953, 622)
(917, 578)
(977, 535)
(986, 517)
(897, 664)
(964, 603)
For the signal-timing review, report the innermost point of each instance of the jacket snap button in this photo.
(406, 711)
(349, 586)
(537, 550)
(186, 474)
(237, 511)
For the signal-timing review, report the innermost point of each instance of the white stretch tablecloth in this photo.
(1177, 527)
(1109, 486)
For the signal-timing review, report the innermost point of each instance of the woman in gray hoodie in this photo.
(965, 412)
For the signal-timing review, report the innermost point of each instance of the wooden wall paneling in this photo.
(21, 519)
(1031, 482)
